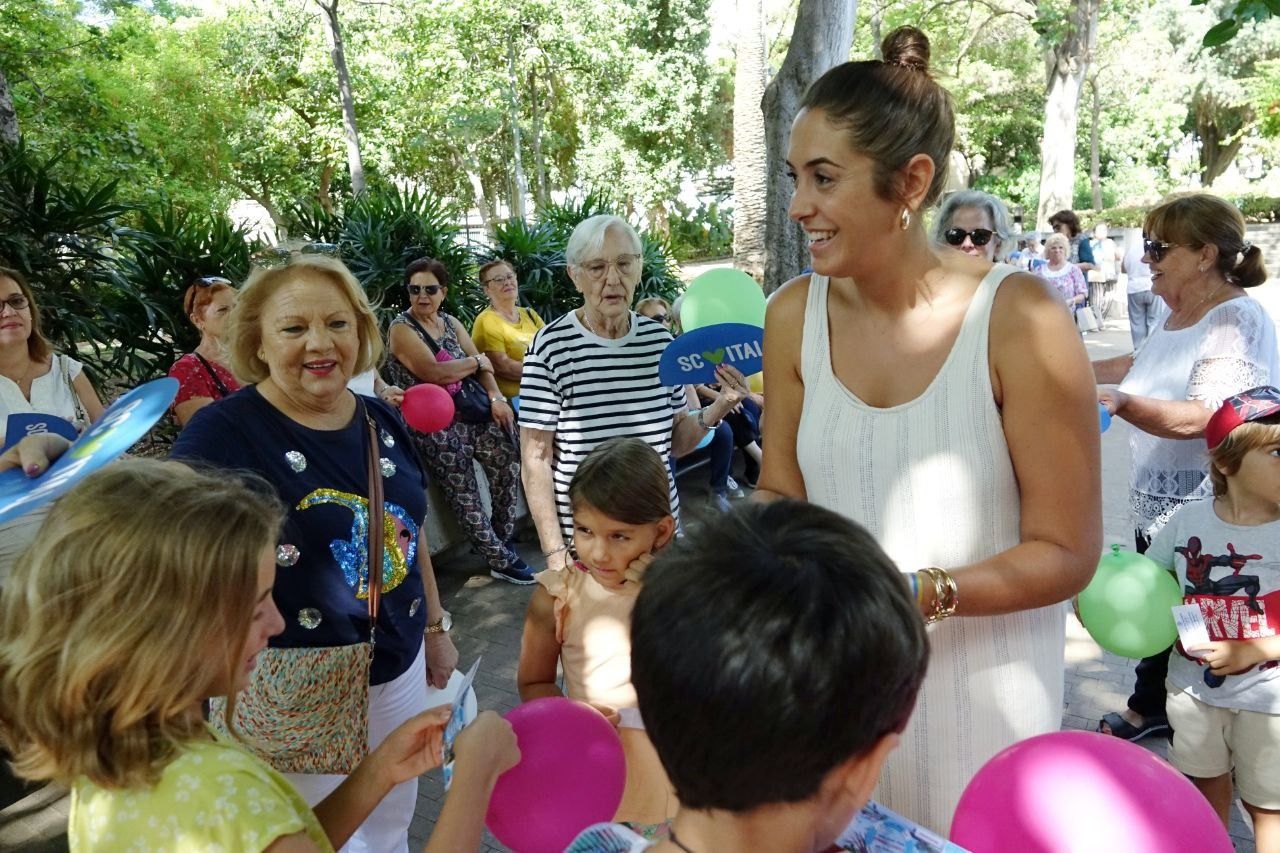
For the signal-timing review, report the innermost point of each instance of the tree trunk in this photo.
(339, 56)
(820, 40)
(8, 116)
(539, 159)
(1219, 145)
(326, 181)
(1095, 157)
(750, 166)
(521, 184)
(1067, 65)
(467, 164)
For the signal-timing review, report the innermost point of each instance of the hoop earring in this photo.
(904, 221)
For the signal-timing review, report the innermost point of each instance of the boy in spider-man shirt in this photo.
(1224, 698)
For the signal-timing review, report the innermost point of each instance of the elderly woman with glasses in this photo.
(504, 330)
(432, 346)
(202, 373)
(298, 333)
(1210, 341)
(592, 375)
(976, 223)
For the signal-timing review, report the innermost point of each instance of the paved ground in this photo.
(488, 616)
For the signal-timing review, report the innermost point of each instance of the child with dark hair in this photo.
(1224, 697)
(776, 655)
(579, 615)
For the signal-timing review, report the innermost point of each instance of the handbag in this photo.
(1086, 321)
(81, 421)
(471, 400)
(307, 710)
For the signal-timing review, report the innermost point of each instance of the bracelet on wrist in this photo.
(555, 551)
(946, 596)
(698, 416)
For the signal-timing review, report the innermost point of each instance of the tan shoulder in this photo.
(787, 303)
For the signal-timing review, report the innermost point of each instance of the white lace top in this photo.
(1232, 348)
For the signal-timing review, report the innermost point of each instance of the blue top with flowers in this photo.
(322, 478)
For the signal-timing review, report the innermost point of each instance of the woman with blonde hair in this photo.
(298, 333)
(111, 707)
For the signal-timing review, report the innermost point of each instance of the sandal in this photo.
(1122, 728)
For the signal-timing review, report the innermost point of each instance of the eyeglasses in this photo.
(1156, 249)
(17, 302)
(625, 264)
(661, 318)
(500, 279)
(278, 256)
(211, 280)
(429, 289)
(979, 236)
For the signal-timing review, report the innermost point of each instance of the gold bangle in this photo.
(946, 594)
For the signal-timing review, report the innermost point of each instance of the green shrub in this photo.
(69, 243)
(703, 233)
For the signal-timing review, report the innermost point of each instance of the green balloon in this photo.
(722, 296)
(1127, 607)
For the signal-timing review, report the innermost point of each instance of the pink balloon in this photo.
(571, 775)
(1076, 791)
(427, 407)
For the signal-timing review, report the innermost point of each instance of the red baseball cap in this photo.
(1245, 407)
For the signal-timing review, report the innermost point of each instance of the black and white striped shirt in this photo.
(588, 389)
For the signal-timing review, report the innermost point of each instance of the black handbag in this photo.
(471, 401)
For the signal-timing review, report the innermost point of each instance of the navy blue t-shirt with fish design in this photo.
(322, 556)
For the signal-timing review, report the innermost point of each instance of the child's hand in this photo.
(1229, 657)
(487, 745)
(416, 746)
(634, 573)
(610, 714)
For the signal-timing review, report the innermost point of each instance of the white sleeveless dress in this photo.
(932, 481)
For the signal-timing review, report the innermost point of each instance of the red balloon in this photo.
(427, 408)
(570, 776)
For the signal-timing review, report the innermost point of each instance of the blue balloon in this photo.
(1104, 417)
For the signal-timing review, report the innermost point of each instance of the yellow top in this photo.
(494, 333)
(593, 627)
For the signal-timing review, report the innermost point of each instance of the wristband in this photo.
(555, 551)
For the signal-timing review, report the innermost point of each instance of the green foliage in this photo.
(66, 240)
(1236, 16)
(387, 228)
(1254, 208)
(703, 233)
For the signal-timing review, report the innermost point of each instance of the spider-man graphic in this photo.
(1200, 567)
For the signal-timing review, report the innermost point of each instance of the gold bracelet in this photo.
(946, 594)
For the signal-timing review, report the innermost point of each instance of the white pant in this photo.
(386, 830)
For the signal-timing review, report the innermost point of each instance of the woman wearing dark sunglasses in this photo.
(1209, 342)
(975, 223)
(432, 346)
(202, 373)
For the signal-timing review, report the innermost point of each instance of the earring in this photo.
(904, 221)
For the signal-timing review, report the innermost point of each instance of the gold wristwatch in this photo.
(441, 625)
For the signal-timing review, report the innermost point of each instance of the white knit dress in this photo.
(931, 479)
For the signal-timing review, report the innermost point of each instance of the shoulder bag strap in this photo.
(64, 366)
(435, 347)
(376, 519)
(208, 368)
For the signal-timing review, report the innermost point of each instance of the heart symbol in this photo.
(714, 357)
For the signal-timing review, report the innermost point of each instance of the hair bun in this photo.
(908, 47)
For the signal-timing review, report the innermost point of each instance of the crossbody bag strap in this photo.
(377, 523)
(431, 342)
(213, 374)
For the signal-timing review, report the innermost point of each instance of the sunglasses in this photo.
(1156, 249)
(211, 280)
(429, 289)
(979, 236)
(661, 318)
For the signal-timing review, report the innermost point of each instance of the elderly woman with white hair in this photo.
(976, 223)
(1065, 277)
(592, 375)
